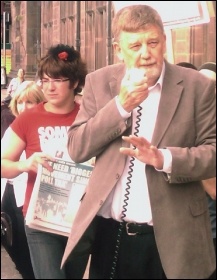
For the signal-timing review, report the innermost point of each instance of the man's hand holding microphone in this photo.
(134, 89)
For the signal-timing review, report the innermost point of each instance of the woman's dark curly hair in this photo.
(63, 61)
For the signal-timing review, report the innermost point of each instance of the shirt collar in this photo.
(160, 80)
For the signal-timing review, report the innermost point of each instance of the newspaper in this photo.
(57, 195)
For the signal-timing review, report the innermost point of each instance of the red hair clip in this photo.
(63, 55)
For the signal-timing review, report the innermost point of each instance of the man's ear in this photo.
(75, 85)
(165, 44)
(117, 51)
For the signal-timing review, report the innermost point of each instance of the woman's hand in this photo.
(31, 164)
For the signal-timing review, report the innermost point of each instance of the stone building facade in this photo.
(36, 25)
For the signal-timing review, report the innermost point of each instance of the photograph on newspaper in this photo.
(57, 195)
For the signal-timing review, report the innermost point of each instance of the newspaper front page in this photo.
(57, 195)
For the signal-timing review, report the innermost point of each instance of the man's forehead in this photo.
(131, 37)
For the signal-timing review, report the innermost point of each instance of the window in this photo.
(67, 22)
(47, 22)
(100, 36)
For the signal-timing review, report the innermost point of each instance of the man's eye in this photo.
(153, 44)
(135, 47)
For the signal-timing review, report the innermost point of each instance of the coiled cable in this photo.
(127, 192)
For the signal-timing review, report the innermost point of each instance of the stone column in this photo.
(25, 37)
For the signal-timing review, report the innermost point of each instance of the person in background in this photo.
(27, 96)
(15, 82)
(40, 132)
(151, 216)
(6, 115)
(208, 69)
(187, 65)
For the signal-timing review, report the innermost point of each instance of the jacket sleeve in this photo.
(97, 124)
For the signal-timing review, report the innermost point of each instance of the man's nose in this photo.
(145, 53)
(51, 84)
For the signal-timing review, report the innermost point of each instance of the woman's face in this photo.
(24, 104)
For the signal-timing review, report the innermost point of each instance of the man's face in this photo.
(20, 73)
(144, 49)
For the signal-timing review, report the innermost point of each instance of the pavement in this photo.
(8, 269)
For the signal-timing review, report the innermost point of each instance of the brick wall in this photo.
(194, 44)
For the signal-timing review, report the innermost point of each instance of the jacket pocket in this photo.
(199, 206)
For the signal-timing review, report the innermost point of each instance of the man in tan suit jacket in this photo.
(184, 128)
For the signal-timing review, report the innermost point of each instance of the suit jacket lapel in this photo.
(170, 96)
(115, 82)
